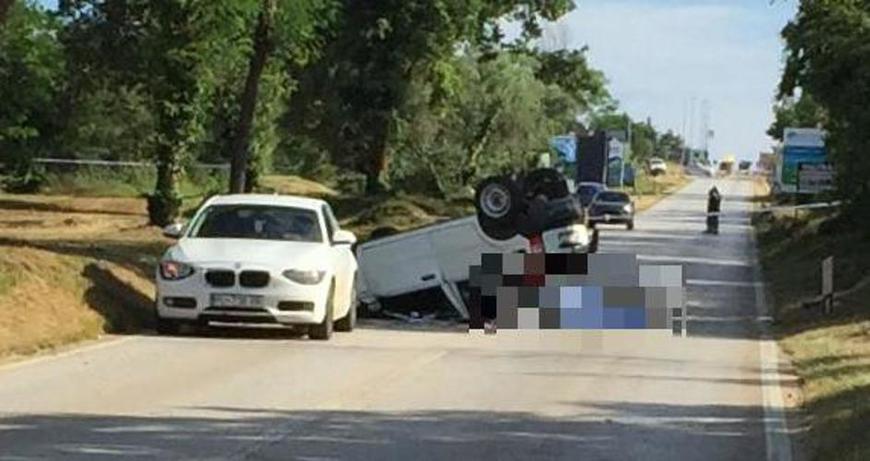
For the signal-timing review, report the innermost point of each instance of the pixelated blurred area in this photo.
(575, 292)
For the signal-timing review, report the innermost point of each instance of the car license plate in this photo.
(232, 300)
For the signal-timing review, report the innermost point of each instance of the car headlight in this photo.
(305, 277)
(175, 270)
(627, 208)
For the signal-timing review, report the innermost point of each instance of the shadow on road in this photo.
(616, 431)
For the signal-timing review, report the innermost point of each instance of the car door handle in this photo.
(428, 277)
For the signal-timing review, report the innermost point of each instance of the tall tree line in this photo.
(421, 95)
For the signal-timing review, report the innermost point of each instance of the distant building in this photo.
(766, 161)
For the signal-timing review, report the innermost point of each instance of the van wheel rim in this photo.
(495, 202)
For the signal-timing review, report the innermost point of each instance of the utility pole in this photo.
(705, 126)
(625, 155)
(683, 134)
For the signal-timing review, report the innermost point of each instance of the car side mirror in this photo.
(173, 231)
(343, 237)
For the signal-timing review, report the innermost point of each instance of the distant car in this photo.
(658, 166)
(259, 259)
(612, 207)
(586, 191)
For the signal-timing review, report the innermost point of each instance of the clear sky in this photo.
(659, 54)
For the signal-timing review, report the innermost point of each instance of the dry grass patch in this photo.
(831, 354)
(650, 190)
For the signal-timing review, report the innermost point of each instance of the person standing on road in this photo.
(714, 207)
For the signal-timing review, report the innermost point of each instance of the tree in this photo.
(263, 45)
(827, 57)
(174, 49)
(291, 28)
(671, 146)
(571, 72)
(31, 69)
(5, 6)
(790, 113)
(376, 51)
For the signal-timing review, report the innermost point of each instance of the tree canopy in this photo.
(418, 95)
(828, 61)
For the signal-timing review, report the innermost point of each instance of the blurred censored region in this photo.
(575, 292)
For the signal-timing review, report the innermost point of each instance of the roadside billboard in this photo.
(565, 147)
(814, 178)
(801, 146)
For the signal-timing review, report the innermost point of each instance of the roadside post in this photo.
(828, 285)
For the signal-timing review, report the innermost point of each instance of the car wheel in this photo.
(167, 327)
(348, 323)
(323, 330)
(630, 225)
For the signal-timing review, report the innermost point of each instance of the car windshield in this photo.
(587, 192)
(258, 222)
(612, 197)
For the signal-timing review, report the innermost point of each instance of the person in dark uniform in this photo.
(714, 207)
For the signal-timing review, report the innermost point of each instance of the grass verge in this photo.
(650, 190)
(830, 353)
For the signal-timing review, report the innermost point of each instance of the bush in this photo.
(27, 178)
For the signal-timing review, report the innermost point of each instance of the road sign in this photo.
(616, 148)
(566, 147)
(800, 145)
(814, 178)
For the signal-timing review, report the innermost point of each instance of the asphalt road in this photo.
(382, 392)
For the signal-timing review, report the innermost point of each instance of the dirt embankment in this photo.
(830, 352)
(74, 268)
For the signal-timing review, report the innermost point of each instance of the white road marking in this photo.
(779, 447)
(690, 259)
(722, 283)
(73, 349)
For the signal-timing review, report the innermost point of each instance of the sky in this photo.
(660, 54)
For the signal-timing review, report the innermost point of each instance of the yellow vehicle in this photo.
(726, 166)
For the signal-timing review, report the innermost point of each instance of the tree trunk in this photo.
(165, 204)
(378, 156)
(5, 6)
(241, 142)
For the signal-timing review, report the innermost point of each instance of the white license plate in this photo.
(231, 300)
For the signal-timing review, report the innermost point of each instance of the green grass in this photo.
(125, 182)
(830, 353)
(6, 281)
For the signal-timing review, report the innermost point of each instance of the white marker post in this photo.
(828, 285)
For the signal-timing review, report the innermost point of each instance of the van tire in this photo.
(498, 201)
(546, 181)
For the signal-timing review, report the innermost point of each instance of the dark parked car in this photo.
(612, 207)
(587, 191)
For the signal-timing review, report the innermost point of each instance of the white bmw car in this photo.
(259, 259)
